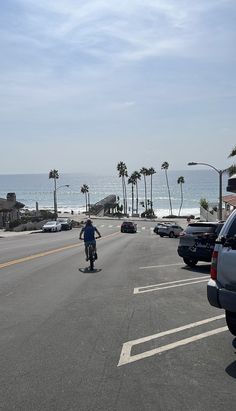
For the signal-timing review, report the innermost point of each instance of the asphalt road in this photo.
(136, 334)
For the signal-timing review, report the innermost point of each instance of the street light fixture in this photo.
(55, 198)
(220, 173)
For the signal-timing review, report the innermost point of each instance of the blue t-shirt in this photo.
(89, 233)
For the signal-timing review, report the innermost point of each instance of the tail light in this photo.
(214, 265)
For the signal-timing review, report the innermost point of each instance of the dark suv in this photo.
(197, 241)
(128, 227)
(66, 223)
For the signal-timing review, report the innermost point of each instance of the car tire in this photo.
(191, 262)
(171, 235)
(231, 321)
(161, 235)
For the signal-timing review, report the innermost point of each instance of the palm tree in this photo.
(144, 172)
(137, 176)
(165, 167)
(232, 169)
(132, 181)
(54, 174)
(151, 171)
(181, 182)
(85, 190)
(121, 167)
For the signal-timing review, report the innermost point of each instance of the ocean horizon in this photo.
(32, 188)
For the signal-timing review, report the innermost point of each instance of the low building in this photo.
(9, 209)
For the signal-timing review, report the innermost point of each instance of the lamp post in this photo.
(55, 198)
(220, 173)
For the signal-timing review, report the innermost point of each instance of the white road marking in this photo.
(143, 228)
(102, 225)
(170, 284)
(110, 226)
(160, 266)
(126, 357)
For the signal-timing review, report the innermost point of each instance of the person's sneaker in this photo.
(95, 256)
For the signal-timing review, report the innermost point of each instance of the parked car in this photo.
(52, 226)
(221, 289)
(159, 225)
(128, 227)
(197, 241)
(66, 223)
(170, 230)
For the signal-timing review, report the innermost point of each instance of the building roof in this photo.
(230, 199)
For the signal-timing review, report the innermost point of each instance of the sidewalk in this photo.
(6, 234)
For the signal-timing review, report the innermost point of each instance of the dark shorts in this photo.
(87, 243)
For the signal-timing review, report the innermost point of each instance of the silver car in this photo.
(221, 289)
(170, 230)
(52, 226)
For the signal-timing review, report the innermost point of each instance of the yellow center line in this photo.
(45, 253)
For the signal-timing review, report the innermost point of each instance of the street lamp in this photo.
(55, 198)
(220, 173)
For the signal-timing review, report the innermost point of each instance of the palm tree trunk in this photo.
(125, 195)
(145, 188)
(151, 193)
(181, 188)
(167, 182)
(136, 197)
(55, 198)
(123, 188)
(132, 199)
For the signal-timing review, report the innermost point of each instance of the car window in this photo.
(232, 229)
(199, 229)
(219, 227)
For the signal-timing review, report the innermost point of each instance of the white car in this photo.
(170, 230)
(52, 226)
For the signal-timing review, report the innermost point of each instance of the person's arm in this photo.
(99, 235)
(81, 232)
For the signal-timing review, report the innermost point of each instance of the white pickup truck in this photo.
(221, 289)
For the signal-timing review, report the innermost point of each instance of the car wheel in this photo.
(161, 235)
(171, 235)
(231, 321)
(191, 262)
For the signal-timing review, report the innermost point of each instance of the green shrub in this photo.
(204, 203)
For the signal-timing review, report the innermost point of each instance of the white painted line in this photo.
(110, 226)
(160, 266)
(102, 225)
(126, 357)
(143, 228)
(170, 284)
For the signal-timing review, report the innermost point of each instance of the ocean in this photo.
(32, 188)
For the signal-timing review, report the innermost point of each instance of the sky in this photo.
(85, 84)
